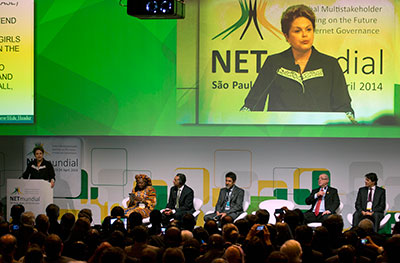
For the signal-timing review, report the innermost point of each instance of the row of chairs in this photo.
(272, 204)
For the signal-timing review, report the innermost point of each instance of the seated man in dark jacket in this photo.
(180, 200)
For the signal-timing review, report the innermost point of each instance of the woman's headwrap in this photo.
(145, 178)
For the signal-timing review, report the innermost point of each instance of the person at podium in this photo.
(39, 168)
(300, 78)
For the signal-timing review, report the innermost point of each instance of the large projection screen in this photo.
(98, 71)
(235, 37)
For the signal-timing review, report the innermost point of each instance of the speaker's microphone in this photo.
(264, 93)
(350, 116)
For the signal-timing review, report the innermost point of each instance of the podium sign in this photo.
(34, 195)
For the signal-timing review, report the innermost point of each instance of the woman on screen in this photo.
(142, 199)
(39, 168)
(299, 78)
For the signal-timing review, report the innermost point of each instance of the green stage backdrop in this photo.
(99, 71)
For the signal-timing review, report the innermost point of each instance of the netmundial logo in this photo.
(17, 191)
(253, 12)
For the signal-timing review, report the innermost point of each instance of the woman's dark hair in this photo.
(36, 148)
(294, 12)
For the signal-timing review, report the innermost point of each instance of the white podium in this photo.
(35, 195)
(278, 117)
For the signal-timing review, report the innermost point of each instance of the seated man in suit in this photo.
(324, 201)
(180, 200)
(371, 202)
(230, 200)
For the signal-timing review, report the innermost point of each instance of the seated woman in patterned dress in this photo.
(142, 198)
